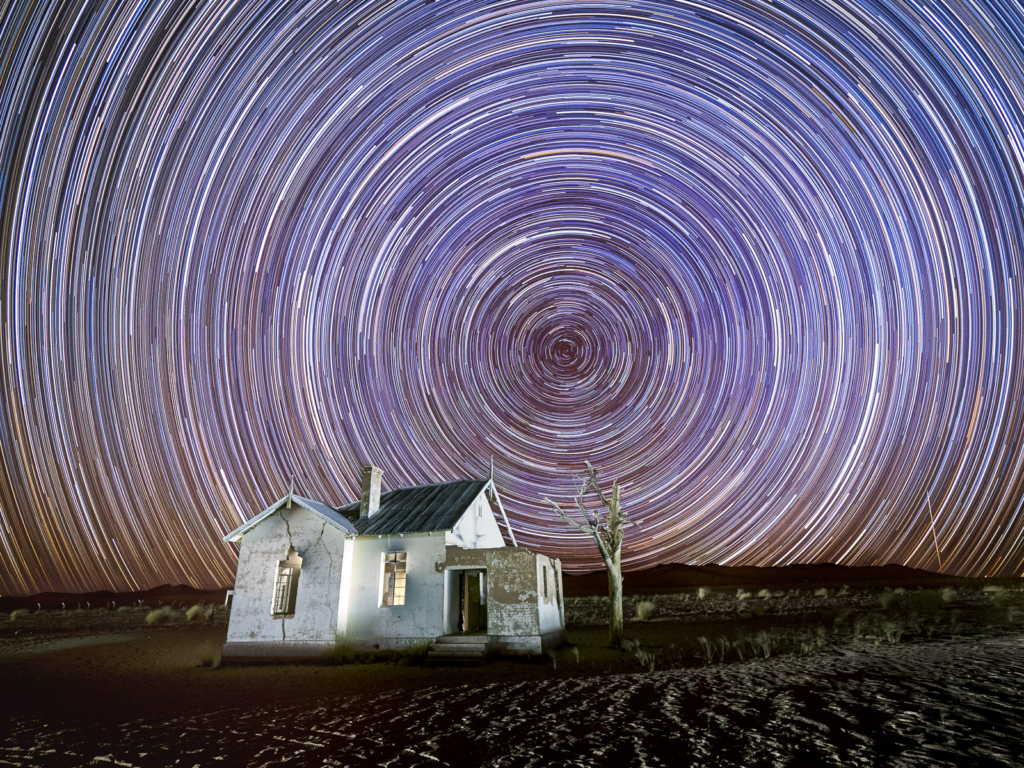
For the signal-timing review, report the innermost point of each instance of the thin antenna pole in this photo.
(931, 516)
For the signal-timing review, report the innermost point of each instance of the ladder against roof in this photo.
(460, 649)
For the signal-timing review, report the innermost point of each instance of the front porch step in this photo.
(461, 649)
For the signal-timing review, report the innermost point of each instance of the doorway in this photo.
(472, 601)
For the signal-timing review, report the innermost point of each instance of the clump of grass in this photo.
(415, 651)
(703, 592)
(159, 616)
(344, 652)
(892, 630)
(948, 594)
(645, 609)
(741, 595)
(764, 593)
(823, 592)
(18, 613)
(757, 609)
(199, 611)
(645, 657)
(124, 608)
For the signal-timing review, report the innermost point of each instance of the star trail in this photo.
(758, 261)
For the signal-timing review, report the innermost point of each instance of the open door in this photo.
(472, 603)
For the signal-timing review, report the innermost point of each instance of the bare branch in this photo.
(594, 485)
(568, 519)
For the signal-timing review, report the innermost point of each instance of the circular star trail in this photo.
(760, 262)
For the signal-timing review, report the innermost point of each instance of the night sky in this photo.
(758, 261)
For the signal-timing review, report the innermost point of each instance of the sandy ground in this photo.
(839, 687)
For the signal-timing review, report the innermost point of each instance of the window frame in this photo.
(394, 583)
(286, 586)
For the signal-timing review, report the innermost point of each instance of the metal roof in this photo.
(419, 509)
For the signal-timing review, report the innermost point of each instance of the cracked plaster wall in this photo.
(321, 547)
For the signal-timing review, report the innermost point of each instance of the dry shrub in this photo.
(645, 609)
(703, 592)
(757, 608)
(948, 594)
(159, 616)
(199, 611)
(887, 598)
(17, 614)
(823, 592)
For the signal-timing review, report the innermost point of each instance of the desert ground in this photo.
(727, 667)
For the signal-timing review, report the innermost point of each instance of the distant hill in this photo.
(72, 600)
(675, 577)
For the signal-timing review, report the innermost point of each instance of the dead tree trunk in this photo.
(607, 535)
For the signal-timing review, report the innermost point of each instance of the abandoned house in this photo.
(426, 563)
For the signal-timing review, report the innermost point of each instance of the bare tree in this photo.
(607, 534)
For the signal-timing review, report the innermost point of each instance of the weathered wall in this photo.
(477, 528)
(370, 623)
(321, 547)
(519, 618)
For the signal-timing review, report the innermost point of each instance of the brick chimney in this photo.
(370, 500)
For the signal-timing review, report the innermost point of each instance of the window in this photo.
(394, 579)
(544, 578)
(286, 585)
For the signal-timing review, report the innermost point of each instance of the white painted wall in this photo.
(421, 618)
(321, 547)
(477, 528)
(550, 609)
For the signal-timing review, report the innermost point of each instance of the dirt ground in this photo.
(823, 675)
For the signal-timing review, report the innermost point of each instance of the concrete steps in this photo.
(459, 649)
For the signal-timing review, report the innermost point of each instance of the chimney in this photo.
(370, 500)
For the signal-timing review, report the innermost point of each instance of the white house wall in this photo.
(372, 625)
(550, 609)
(253, 630)
(477, 528)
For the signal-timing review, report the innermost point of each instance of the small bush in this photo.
(159, 616)
(741, 595)
(17, 614)
(823, 592)
(645, 609)
(199, 611)
(757, 608)
(703, 592)
(764, 593)
(948, 594)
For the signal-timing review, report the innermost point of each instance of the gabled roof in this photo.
(419, 509)
(329, 515)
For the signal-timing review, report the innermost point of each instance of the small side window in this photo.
(394, 578)
(544, 578)
(286, 584)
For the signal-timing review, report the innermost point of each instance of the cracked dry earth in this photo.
(956, 702)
